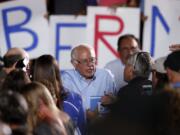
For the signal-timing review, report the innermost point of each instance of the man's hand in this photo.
(107, 99)
(91, 114)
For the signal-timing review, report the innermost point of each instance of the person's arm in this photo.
(174, 47)
(107, 99)
(91, 115)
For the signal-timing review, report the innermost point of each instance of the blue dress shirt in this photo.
(92, 90)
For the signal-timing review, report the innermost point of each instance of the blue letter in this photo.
(58, 28)
(156, 13)
(18, 27)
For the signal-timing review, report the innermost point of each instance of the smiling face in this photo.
(84, 61)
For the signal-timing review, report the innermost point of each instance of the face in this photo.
(85, 62)
(128, 73)
(128, 47)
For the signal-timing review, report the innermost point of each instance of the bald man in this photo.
(88, 81)
(14, 58)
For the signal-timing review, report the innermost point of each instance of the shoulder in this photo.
(123, 89)
(73, 96)
(68, 74)
(73, 99)
(141, 83)
(104, 72)
(72, 104)
(104, 76)
(113, 63)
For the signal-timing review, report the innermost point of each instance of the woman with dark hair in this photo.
(43, 70)
(47, 72)
(15, 80)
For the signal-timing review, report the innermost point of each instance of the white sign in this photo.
(105, 25)
(23, 25)
(66, 33)
(162, 27)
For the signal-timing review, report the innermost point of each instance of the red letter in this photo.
(99, 35)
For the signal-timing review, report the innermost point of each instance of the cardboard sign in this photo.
(162, 27)
(105, 25)
(66, 33)
(23, 25)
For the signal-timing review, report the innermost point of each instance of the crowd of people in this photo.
(121, 98)
(131, 95)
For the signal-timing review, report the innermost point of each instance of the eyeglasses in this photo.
(126, 49)
(87, 61)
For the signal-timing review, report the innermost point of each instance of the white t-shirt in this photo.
(117, 69)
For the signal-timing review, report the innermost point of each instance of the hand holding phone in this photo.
(107, 99)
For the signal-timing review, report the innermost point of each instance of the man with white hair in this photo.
(88, 81)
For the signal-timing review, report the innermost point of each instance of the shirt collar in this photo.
(83, 78)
